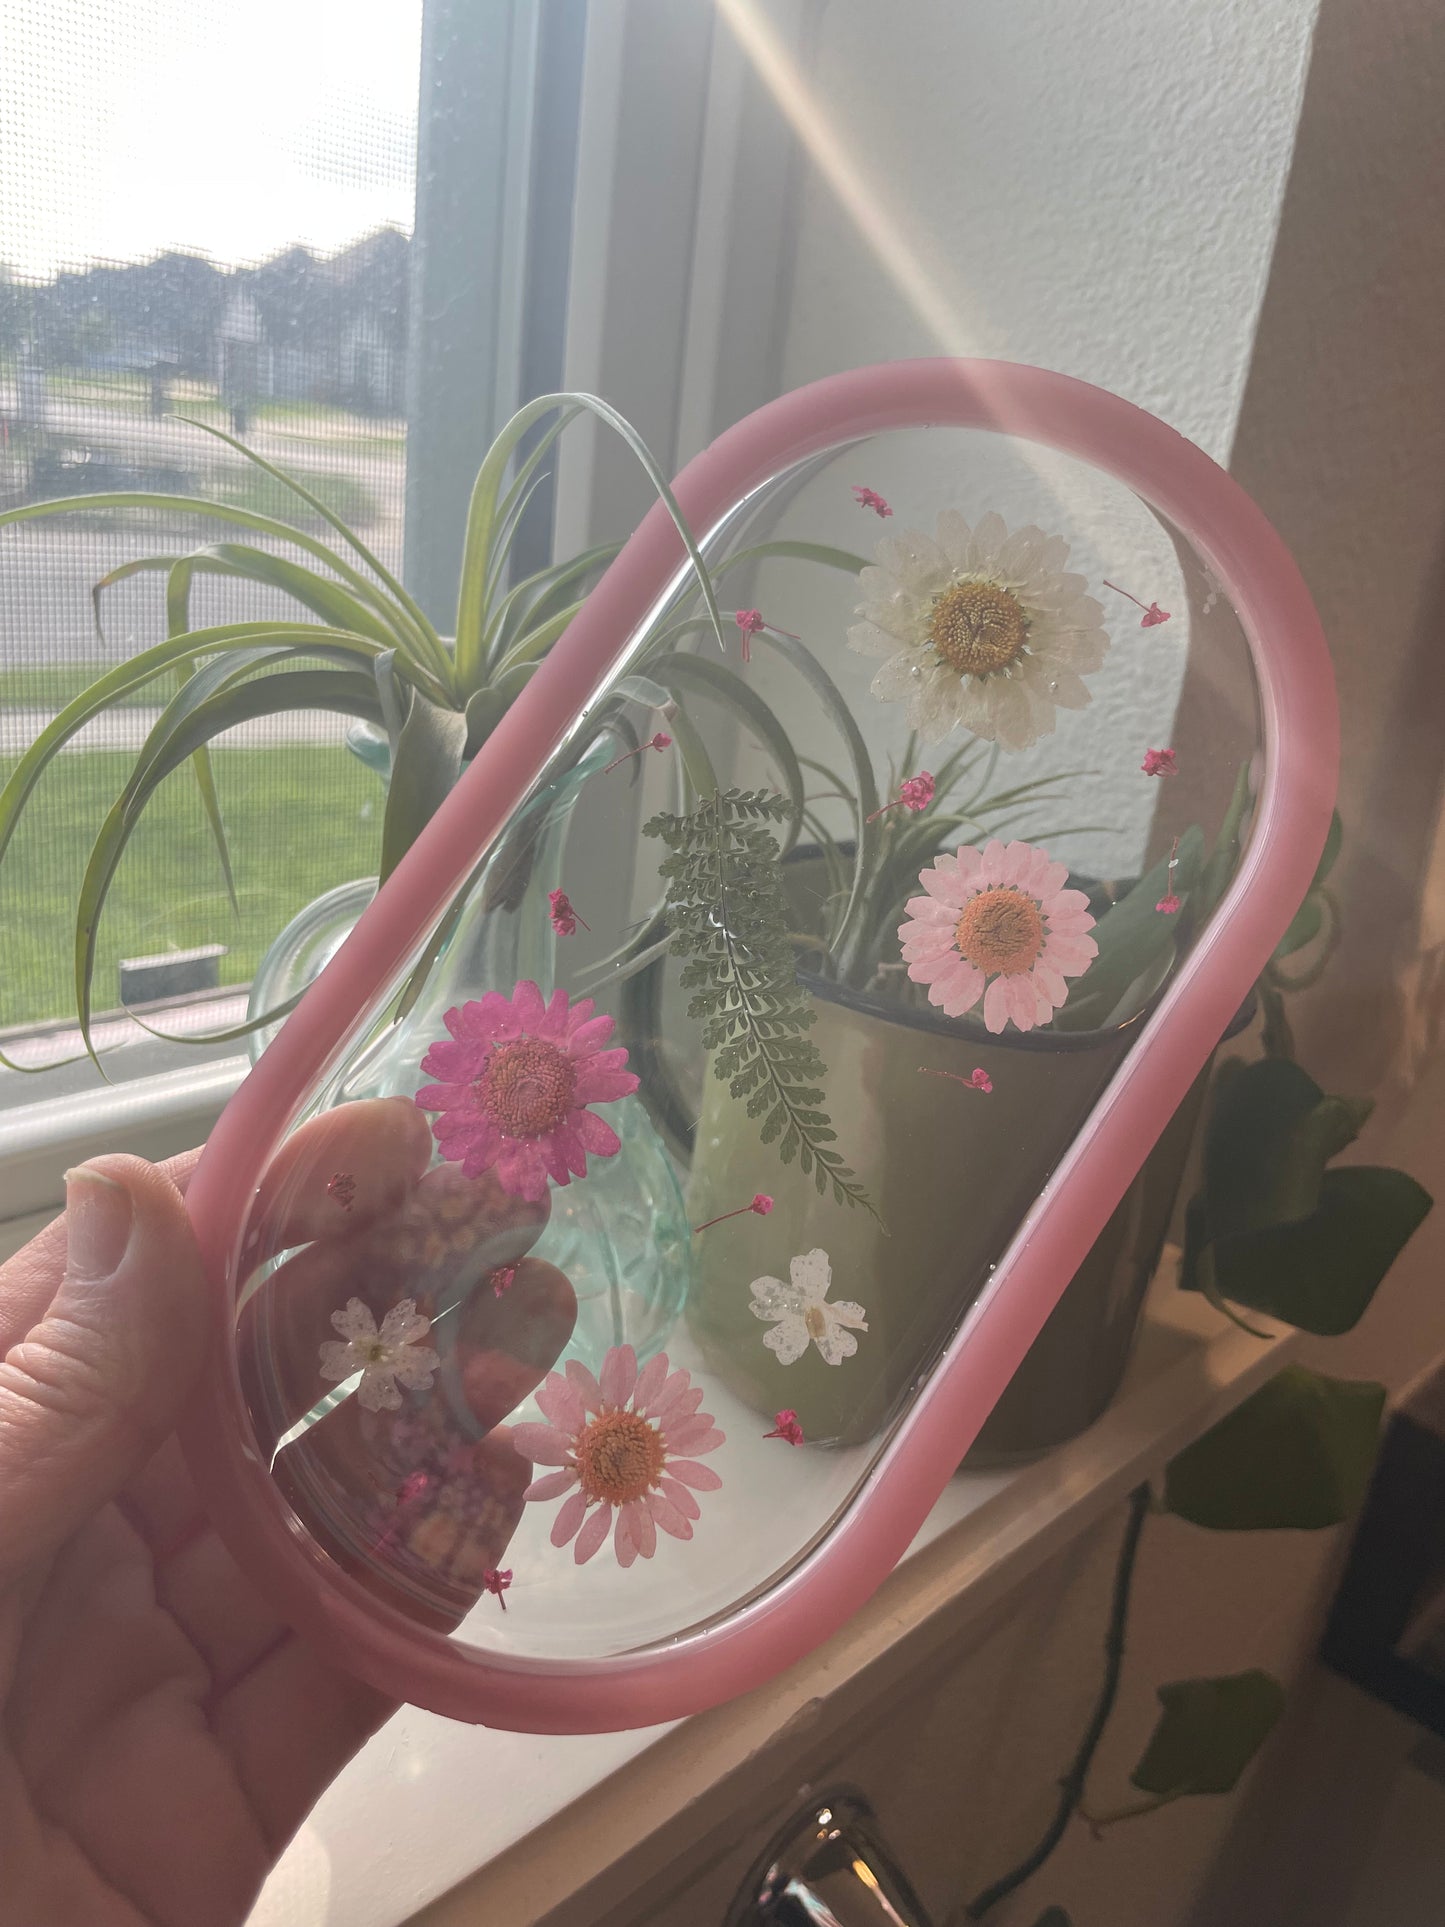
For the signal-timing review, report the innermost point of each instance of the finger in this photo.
(337, 1173)
(440, 1249)
(290, 1726)
(91, 1390)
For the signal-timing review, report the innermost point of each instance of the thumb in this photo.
(92, 1389)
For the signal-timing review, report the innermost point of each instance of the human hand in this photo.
(162, 1732)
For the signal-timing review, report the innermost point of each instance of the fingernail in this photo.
(98, 1214)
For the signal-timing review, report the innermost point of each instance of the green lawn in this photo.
(53, 685)
(301, 819)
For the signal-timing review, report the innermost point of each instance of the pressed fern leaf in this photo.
(729, 923)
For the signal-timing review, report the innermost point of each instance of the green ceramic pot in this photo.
(952, 1186)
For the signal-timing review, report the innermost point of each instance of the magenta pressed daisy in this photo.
(1001, 914)
(628, 1442)
(515, 1079)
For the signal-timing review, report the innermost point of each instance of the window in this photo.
(212, 221)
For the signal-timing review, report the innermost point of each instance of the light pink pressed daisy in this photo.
(628, 1442)
(999, 913)
(517, 1077)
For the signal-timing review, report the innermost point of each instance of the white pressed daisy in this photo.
(979, 627)
(800, 1314)
(384, 1357)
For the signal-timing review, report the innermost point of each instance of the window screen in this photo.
(206, 213)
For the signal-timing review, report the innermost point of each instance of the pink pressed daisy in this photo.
(1003, 913)
(628, 1442)
(517, 1077)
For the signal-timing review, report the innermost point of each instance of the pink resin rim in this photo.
(779, 1626)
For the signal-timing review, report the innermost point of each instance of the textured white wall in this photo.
(1094, 188)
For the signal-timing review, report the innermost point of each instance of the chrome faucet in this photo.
(828, 1867)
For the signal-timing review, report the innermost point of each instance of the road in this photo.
(127, 729)
(47, 568)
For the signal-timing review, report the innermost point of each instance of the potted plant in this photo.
(849, 991)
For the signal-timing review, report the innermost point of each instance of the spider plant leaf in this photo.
(422, 630)
(535, 644)
(483, 511)
(425, 765)
(486, 507)
(865, 792)
(700, 676)
(347, 691)
(333, 645)
(693, 751)
(1225, 854)
(338, 607)
(819, 552)
(1133, 937)
(539, 596)
(201, 505)
(230, 1034)
(488, 706)
(178, 622)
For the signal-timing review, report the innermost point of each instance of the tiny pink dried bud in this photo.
(786, 1426)
(1160, 762)
(981, 1081)
(503, 1278)
(1168, 906)
(916, 793)
(1153, 616)
(497, 1583)
(868, 498)
(750, 621)
(563, 917)
(761, 1203)
(659, 741)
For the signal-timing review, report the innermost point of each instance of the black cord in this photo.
(1071, 1787)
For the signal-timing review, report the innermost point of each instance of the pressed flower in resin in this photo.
(760, 1206)
(752, 623)
(979, 627)
(561, 914)
(800, 1314)
(998, 923)
(496, 1582)
(1160, 762)
(1153, 615)
(516, 1078)
(869, 498)
(385, 1357)
(627, 1443)
(914, 793)
(786, 1427)
(660, 741)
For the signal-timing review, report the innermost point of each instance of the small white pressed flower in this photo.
(979, 627)
(382, 1357)
(800, 1314)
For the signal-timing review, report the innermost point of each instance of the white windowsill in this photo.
(155, 1117)
(416, 1816)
